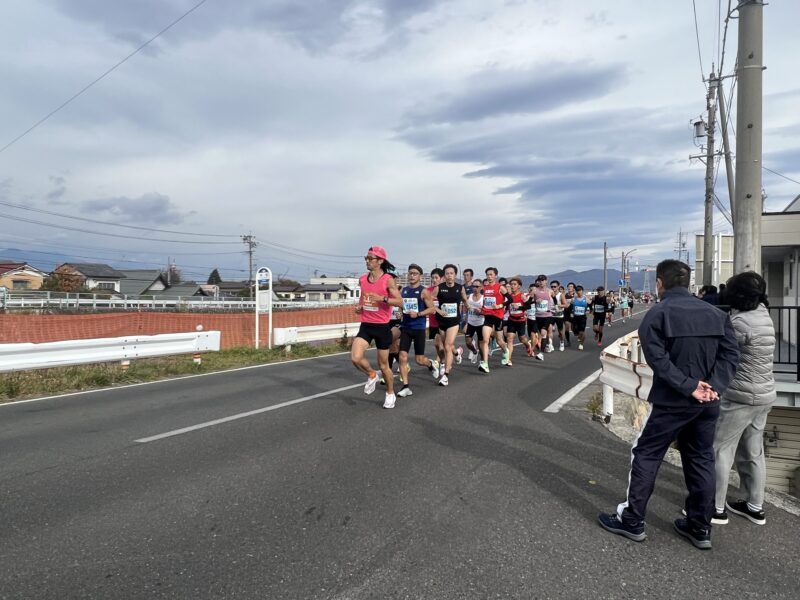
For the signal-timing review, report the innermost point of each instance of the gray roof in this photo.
(96, 270)
(324, 287)
(137, 281)
(288, 288)
(183, 290)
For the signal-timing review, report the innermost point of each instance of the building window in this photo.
(20, 284)
(105, 285)
(327, 296)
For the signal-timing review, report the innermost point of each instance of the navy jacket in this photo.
(686, 340)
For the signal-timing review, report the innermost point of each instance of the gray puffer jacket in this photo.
(754, 382)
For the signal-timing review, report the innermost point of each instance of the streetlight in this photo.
(625, 256)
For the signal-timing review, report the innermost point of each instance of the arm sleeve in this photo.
(656, 355)
(727, 360)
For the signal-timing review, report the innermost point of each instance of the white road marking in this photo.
(572, 392)
(243, 415)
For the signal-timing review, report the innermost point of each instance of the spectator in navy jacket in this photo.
(691, 347)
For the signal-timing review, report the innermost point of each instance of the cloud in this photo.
(153, 209)
(499, 92)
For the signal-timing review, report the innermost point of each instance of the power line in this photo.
(115, 235)
(98, 222)
(98, 79)
(699, 53)
(781, 175)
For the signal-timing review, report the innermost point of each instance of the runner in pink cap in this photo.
(378, 294)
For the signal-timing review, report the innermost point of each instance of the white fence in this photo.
(63, 300)
(18, 357)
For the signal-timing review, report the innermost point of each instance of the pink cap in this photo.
(378, 251)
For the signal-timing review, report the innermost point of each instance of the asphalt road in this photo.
(469, 491)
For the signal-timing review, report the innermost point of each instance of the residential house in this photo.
(351, 283)
(289, 293)
(94, 276)
(20, 276)
(327, 292)
(142, 282)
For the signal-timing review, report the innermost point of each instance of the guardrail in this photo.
(624, 369)
(285, 336)
(18, 357)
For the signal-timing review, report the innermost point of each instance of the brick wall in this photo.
(237, 329)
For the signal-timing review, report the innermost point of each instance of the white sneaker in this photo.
(389, 401)
(406, 391)
(561, 347)
(435, 369)
(443, 380)
(540, 356)
(369, 387)
(580, 346)
(441, 370)
(473, 358)
(459, 354)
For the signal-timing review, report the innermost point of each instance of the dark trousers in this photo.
(693, 427)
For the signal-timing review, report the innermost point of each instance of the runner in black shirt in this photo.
(599, 308)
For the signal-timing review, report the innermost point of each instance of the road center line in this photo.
(572, 392)
(243, 415)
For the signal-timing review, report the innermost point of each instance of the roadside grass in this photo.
(23, 385)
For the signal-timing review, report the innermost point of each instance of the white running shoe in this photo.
(406, 391)
(443, 380)
(473, 358)
(441, 369)
(459, 355)
(435, 369)
(389, 401)
(580, 346)
(369, 387)
(561, 347)
(540, 356)
(504, 360)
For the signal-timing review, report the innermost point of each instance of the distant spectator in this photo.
(722, 294)
(739, 439)
(710, 295)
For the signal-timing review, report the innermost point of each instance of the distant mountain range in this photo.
(591, 279)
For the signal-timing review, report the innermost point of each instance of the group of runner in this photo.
(491, 313)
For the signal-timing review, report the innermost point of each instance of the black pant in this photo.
(693, 426)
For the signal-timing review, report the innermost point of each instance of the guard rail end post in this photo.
(608, 402)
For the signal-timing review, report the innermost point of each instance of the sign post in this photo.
(264, 277)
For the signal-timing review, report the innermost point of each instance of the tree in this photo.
(214, 278)
(63, 282)
(287, 281)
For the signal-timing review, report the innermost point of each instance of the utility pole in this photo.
(749, 204)
(251, 243)
(605, 265)
(708, 229)
(726, 146)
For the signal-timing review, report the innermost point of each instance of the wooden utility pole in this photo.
(749, 203)
(708, 229)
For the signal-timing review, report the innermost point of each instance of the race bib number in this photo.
(599, 308)
(531, 314)
(396, 313)
(450, 310)
(410, 305)
(369, 306)
(475, 312)
(542, 306)
(515, 309)
(578, 310)
(489, 302)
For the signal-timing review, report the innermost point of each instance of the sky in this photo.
(521, 134)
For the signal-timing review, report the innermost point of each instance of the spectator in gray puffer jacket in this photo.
(739, 437)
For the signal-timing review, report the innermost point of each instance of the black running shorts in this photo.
(533, 328)
(578, 323)
(516, 327)
(544, 322)
(445, 324)
(496, 323)
(475, 329)
(381, 333)
(417, 336)
(599, 319)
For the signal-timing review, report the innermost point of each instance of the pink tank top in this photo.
(375, 312)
